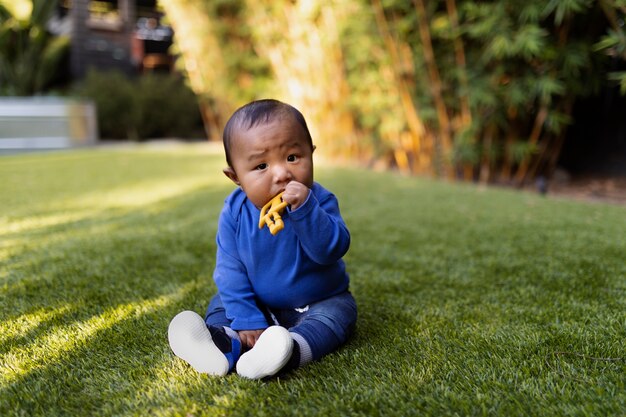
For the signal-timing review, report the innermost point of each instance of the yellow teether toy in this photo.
(270, 214)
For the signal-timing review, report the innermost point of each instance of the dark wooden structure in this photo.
(118, 34)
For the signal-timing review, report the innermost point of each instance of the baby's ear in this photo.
(230, 173)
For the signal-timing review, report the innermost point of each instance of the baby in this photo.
(282, 301)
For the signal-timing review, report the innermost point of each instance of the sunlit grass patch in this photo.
(471, 301)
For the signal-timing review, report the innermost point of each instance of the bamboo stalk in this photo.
(525, 170)
(520, 175)
(507, 163)
(203, 62)
(304, 53)
(485, 166)
(413, 119)
(435, 86)
(459, 53)
(558, 145)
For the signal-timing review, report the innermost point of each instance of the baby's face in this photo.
(268, 156)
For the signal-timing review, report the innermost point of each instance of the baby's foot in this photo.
(270, 353)
(191, 340)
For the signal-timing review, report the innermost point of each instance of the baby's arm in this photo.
(320, 228)
(232, 281)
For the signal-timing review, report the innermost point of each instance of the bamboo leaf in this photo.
(563, 9)
(609, 40)
(520, 150)
(530, 41)
(556, 121)
(614, 43)
(548, 87)
(620, 77)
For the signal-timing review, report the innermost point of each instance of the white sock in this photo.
(231, 333)
(306, 355)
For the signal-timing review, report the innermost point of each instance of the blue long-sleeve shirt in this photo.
(300, 265)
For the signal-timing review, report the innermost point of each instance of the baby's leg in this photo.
(215, 316)
(322, 327)
(216, 313)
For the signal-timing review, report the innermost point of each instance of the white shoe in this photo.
(191, 341)
(268, 356)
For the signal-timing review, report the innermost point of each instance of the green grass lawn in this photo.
(471, 301)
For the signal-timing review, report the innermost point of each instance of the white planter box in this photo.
(46, 123)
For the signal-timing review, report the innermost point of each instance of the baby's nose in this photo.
(282, 174)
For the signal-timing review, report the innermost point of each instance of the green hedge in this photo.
(150, 106)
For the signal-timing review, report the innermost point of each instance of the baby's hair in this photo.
(259, 112)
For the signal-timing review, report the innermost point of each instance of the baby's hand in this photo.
(249, 337)
(295, 194)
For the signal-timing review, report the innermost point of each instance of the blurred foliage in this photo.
(166, 108)
(220, 61)
(455, 88)
(482, 90)
(30, 56)
(113, 94)
(153, 105)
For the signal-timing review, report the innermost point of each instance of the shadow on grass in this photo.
(86, 303)
(100, 362)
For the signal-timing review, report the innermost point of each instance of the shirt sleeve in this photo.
(320, 228)
(232, 281)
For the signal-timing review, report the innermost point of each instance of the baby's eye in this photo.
(261, 167)
(292, 158)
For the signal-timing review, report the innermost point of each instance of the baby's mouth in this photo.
(282, 190)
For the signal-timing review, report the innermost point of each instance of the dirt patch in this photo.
(606, 190)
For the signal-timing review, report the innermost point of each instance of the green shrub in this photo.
(150, 106)
(167, 107)
(113, 95)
